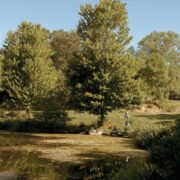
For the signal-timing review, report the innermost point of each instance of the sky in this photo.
(145, 16)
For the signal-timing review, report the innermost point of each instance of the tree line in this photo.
(92, 68)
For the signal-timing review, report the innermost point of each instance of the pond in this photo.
(24, 156)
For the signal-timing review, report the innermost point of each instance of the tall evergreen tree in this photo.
(101, 75)
(29, 75)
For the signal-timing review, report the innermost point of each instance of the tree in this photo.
(155, 77)
(63, 45)
(167, 46)
(132, 50)
(174, 76)
(29, 75)
(1, 70)
(101, 75)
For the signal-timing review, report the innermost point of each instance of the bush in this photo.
(166, 155)
(147, 137)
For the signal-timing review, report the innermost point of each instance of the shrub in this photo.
(146, 137)
(166, 155)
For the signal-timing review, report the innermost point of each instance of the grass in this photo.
(172, 106)
(139, 120)
(79, 118)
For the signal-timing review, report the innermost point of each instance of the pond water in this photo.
(18, 162)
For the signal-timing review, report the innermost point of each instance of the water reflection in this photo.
(9, 139)
(16, 163)
(24, 165)
(119, 169)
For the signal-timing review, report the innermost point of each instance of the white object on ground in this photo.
(95, 132)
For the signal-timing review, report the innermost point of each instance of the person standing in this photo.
(126, 117)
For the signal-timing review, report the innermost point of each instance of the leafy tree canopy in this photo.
(167, 46)
(101, 75)
(29, 75)
(63, 45)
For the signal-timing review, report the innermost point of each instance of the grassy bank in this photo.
(138, 120)
(76, 122)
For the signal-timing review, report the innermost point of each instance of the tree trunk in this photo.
(102, 118)
(28, 112)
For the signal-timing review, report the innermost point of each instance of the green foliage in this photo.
(29, 75)
(174, 74)
(166, 45)
(1, 67)
(166, 155)
(155, 77)
(1, 71)
(64, 45)
(101, 75)
(147, 137)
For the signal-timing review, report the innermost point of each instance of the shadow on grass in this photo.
(42, 122)
(41, 126)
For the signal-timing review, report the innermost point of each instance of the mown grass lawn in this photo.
(138, 120)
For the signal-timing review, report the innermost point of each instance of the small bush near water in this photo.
(147, 137)
(166, 155)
